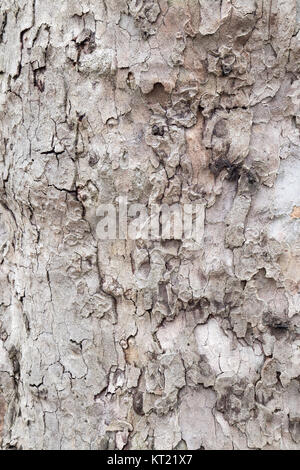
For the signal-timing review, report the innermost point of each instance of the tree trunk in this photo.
(149, 343)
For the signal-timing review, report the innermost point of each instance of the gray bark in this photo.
(148, 344)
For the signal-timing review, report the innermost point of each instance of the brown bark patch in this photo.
(296, 212)
(2, 414)
(133, 355)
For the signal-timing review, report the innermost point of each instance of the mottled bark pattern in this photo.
(149, 344)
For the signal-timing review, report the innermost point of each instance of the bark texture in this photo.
(149, 344)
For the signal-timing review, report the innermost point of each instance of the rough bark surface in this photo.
(149, 344)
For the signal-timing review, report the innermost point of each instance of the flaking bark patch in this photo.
(149, 343)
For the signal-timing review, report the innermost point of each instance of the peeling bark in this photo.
(149, 344)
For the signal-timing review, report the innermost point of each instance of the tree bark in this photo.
(149, 344)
